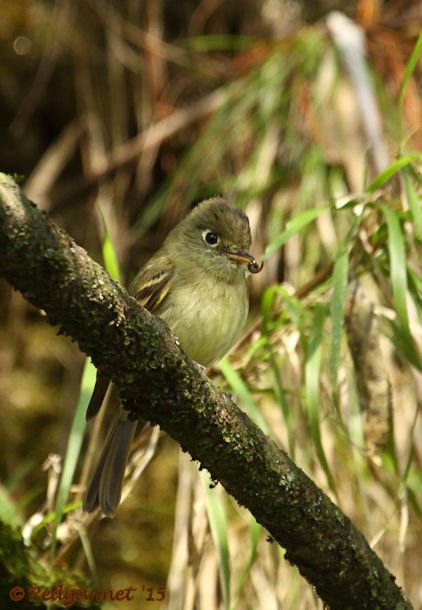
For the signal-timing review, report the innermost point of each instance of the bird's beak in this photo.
(241, 256)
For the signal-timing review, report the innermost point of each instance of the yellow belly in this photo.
(208, 323)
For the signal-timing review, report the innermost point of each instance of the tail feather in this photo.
(105, 486)
(97, 398)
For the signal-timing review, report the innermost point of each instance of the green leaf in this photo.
(292, 307)
(255, 531)
(337, 313)
(398, 276)
(9, 512)
(410, 68)
(283, 403)
(240, 389)
(414, 202)
(415, 290)
(219, 531)
(312, 382)
(73, 447)
(110, 257)
(294, 225)
(398, 272)
(392, 169)
(413, 501)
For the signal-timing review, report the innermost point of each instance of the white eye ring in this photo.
(210, 238)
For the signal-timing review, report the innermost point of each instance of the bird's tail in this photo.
(101, 386)
(105, 486)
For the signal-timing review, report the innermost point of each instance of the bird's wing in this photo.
(153, 283)
(150, 287)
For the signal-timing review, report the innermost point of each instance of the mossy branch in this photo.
(143, 358)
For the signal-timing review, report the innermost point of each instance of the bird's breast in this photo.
(209, 321)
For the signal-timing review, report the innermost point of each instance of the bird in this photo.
(196, 283)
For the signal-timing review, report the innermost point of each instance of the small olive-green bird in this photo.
(196, 283)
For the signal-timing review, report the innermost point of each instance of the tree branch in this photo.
(143, 357)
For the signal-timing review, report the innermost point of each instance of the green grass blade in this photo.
(294, 225)
(255, 530)
(410, 68)
(291, 311)
(110, 257)
(414, 501)
(219, 531)
(415, 290)
(340, 272)
(19, 473)
(415, 204)
(283, 402)
(398, 272)
(292, 308)
(240, 389)
(50, 517)
(267, 307)
(73, 447)
(312, 383)
(398, 276)
(392, 169)
(9, 512)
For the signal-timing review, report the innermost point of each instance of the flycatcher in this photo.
(196, 283)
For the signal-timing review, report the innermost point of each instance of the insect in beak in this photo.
(241, 256)
(254, 266)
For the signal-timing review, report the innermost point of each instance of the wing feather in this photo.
(150, 287)
(153, 283)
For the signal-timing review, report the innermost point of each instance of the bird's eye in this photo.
(210, 238)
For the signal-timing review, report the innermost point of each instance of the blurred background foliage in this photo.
(121, 115)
